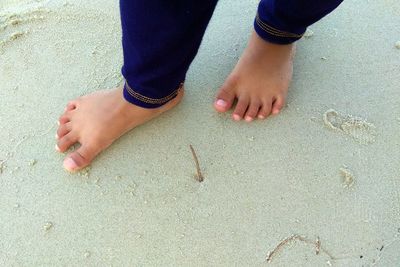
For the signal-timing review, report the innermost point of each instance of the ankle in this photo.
(259, 45)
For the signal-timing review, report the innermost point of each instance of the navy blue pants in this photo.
(160, 39)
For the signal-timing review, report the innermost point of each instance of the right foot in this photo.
(97, 120)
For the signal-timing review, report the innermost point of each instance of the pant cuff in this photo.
(143, 101)
(271, 34)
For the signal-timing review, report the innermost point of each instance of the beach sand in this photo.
(324, 173)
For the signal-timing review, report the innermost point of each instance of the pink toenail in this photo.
(56, 136)
(221, 103)
(70, 164)
(58, 149)
(261, 117)
(248, 118)
(236, 117)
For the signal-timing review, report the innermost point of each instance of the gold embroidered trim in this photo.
(273, 31)
(150, 100)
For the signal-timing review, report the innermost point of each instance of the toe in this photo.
(79, 159)
(63, 119)
(63, 129)
(225, 97)
(66, 142)
(241, 107)
(265, 110)
(70, 106)
(252, 110)
(278, 105)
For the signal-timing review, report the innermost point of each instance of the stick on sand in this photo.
(199, 176)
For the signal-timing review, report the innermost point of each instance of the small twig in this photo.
(316, 243)
(199, 177)
(279, 246)
(317, 246)
(2, 165)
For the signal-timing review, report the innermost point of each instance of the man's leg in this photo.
(160, 39)
(261, 78)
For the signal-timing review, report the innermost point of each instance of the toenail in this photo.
(58, 123)
(221, 103)
(275, 111)
(58, 149)
(236, 117)
(70, 164)
(56, 136)
(261, 117)
(248, 118)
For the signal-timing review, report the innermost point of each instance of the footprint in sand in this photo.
(359, 129)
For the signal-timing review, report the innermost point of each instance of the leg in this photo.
(261, 78)
(159, 40)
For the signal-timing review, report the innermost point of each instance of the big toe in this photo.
(225, 97)
(79, 159)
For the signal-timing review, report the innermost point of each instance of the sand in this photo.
(139, 203)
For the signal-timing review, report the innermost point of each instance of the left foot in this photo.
(259, 82)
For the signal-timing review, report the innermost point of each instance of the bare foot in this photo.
(259, 81)
(97, 120)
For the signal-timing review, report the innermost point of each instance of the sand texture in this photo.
(318, 185)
